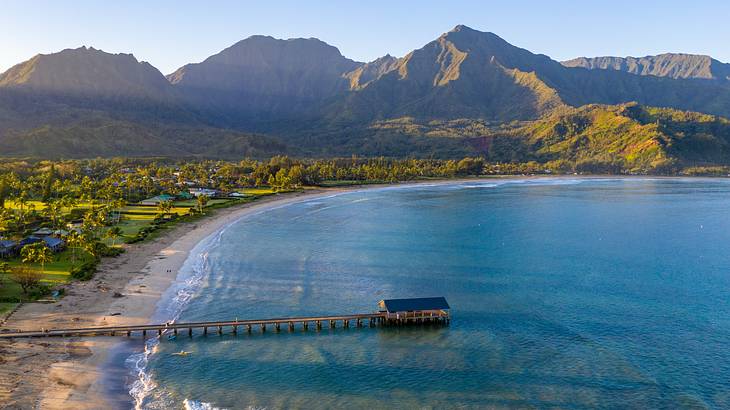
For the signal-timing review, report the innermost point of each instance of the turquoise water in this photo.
(585, 293)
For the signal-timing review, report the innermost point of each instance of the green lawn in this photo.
(133, 219)
(152, 210)
(5, 308)
(258, 191)
(40, 205)
(193, 203)
(55, 273)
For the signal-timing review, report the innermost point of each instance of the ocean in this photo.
(571, 293)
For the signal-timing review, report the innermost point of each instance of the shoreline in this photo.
(68, 373)
(57, 373)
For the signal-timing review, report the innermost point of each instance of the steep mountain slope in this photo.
(75, 87)
(610, 138)
(364, 74)
(104, 137)
(466, 73)
(677, 66)
(266, 77)
(465, 91)
(462, 74)
(88, 72)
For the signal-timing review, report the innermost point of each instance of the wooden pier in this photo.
(235, 326)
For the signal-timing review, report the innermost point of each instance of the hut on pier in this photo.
(415, 308)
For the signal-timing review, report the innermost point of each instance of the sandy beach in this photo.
(64, 373)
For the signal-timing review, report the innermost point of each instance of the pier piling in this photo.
(373, 320)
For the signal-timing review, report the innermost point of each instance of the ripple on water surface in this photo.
(577, 293)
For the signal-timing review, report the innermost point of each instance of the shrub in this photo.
(39, 291)
(27, 277)
(107, 251)
(85, 271)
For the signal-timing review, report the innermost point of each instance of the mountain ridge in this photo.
(673, 65)
(304, 93)
(86, 70)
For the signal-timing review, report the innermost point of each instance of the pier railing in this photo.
(359, 320)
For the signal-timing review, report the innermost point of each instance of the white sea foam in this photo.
(473, 186)
(173, 302)
(196, 405)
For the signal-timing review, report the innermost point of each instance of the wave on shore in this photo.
(173, 302)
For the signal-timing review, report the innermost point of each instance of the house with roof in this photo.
(8, 248)
(75, 226)
(415, 308)
(43, 232)
(156, 200)
(29, 240)
(54, 244)
(60, 233)
(204, 191)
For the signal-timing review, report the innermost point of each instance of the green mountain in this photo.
(467, 92)
(102, 136)
(677, 66)
(604, 138)
(463, 73)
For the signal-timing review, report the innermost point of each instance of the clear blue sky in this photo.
(169, 34)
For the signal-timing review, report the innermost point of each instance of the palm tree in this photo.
(22, 202)
(6, 218)
(164, 207)
(94, 219)
(118, 204)
(53, 212)
(37, 253)
(74, 240)
(114, 233)
(202, 201)
(88, 242)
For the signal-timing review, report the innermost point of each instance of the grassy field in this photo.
(258, 191)
(193, 203)
(5, 308)
(40, 205)
(54, 273)
(134, 218)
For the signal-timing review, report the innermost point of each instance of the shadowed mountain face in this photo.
(88, 72)
(675, 66)
(76, 85)
(463, 85)
(263, 76)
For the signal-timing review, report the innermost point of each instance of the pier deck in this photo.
(359, 320)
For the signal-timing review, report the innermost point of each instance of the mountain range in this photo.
(264, 96)
(664, 65)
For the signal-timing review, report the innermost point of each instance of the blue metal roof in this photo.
(405, 305)
(29, 240)
(52, 242)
